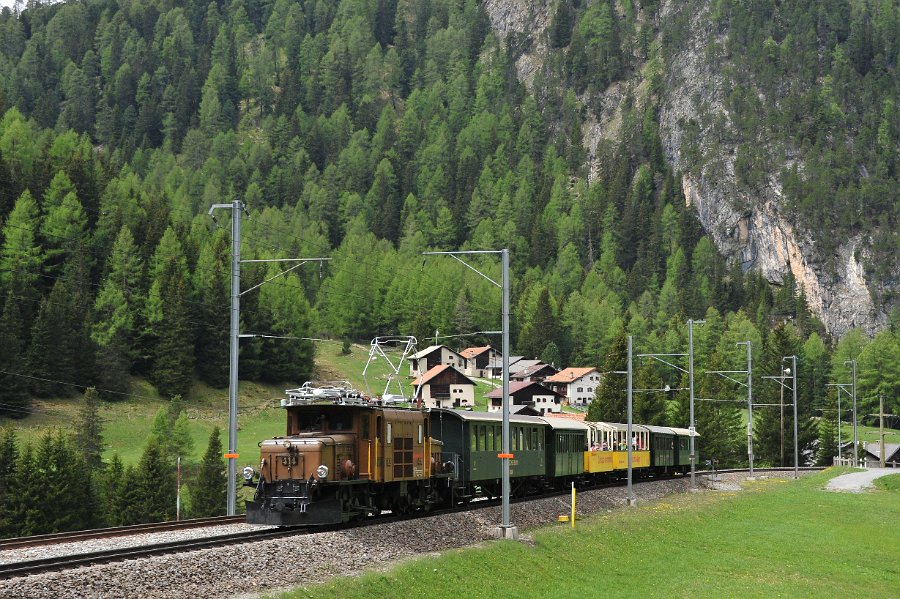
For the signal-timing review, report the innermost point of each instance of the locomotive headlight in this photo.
(248, 473)
(322, 471)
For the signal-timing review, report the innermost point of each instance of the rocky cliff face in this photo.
(746, 225)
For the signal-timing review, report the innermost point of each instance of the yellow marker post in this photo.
(573, 505)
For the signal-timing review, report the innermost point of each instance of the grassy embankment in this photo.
(777, 538)
(127, 422)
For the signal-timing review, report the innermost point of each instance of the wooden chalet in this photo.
(444, 386)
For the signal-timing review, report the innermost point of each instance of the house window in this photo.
(590, 389)
(580, 390)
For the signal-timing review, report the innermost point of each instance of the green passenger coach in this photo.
(566, 443)
(473, 440)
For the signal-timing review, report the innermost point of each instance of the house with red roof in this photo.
(526, 393)
(478, 360)
(577, 384)
(443, 386)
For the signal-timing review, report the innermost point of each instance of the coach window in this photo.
(498, 439)
(420, 435)
(473, 442)
(489, 445)
(390, 433)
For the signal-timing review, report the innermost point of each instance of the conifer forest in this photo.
(369, 131)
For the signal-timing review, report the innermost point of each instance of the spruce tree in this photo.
(15, 400)
(610, 400)
(9, 463)
(65, 482)
(118, 308)
(212, 292)
(783, 341)
(111, 492)
(210, 487)
(168, 330)
(649, 406)
(21, 513)
(52, 353)
(827, 431)
(89, 429)
(155, 483)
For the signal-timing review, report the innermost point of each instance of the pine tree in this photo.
(211, 484)
(89, 431)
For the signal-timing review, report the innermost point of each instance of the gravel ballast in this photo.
(252, 568)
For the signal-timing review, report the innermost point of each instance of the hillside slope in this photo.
(756, 112)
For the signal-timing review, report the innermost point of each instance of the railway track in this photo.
(26, 568)
(118, 531)
(64, 562)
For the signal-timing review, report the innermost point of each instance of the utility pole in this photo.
(881, 426)
(796, 442)
(631, 499)
(840, 387)
(692, 429)
(236, 207)
(852, 364)
(780, 378)
(506, 530)
(782, 424)
(750, 404)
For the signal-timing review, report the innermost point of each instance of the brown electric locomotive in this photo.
(342, 460)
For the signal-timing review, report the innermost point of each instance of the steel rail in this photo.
(117, 531)
(30, 567)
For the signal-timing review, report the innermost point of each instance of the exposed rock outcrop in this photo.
(746, 225)
(749, 225)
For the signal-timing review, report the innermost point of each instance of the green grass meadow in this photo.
(775, 538)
